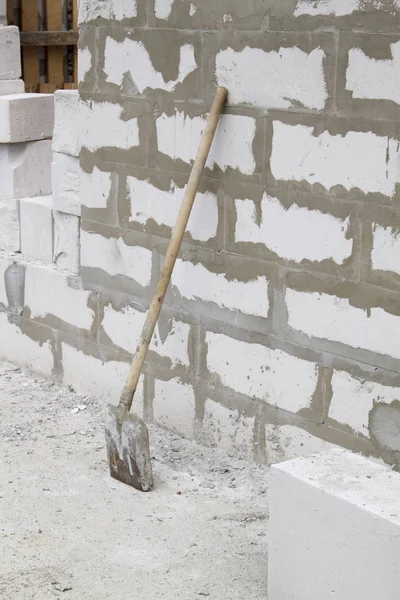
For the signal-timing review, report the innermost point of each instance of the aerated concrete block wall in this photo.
(280, 332)
(281, 329)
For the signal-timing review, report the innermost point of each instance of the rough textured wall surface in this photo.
(284, 306)
(280, 332)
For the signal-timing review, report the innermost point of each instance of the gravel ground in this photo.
(68, 530)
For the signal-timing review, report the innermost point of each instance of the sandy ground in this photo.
(68, 530)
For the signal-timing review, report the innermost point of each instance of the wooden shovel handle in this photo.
(128, 392)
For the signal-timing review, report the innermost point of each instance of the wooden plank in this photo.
(49, 38)
(70, 86)
(10, 12)
(47, 88)
(30, 56)
(75, 27)
(55, 54)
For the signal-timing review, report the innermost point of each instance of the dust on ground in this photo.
(68, 530)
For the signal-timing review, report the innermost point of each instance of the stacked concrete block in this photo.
(10, 60)
(25, 158)
(66, 175)
(25, 169)
(9, 226)
(66, 241)
(10, 69)
(26, 117)
(26, 121)
(11, 86)
(36, 225)
(28, 191)
(10, 55)
(24, 173)
(66, 131)
(36, 242)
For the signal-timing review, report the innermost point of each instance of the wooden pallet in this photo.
(48, 44)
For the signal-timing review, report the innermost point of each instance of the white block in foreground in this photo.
(334, 529)
(26, 117)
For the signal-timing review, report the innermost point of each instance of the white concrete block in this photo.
(125, 326)
(179, 136)
(353, 399)
(374, 79)
(85, 62)
(174, 406)
(175, 345)
(26, 117)
(19, 348)
(273, 79)
(106, 9)
(66, 242)
(228, 429)
(10, 55)
(65, 178)
(49, 292)
(123, 9)
(295, 233)
(336, 8)
(9, 226)
(386, 249)
(66, 122)
(95, 188)
(131, 56)
(284, 442)
(195, 282)
(355, 160)
(101, 126)
(163, 8)
(114, 257)
(94, 377)
(36, 222)
(148, 202)
(25, 169)
(334, 529)
(274, 376)
(11, 86)
(335, 319)
(4, 264)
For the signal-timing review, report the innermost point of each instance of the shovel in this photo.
(127, 436)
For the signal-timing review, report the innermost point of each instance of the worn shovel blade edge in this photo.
(128, 450)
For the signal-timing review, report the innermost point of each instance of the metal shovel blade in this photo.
(128, 450)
